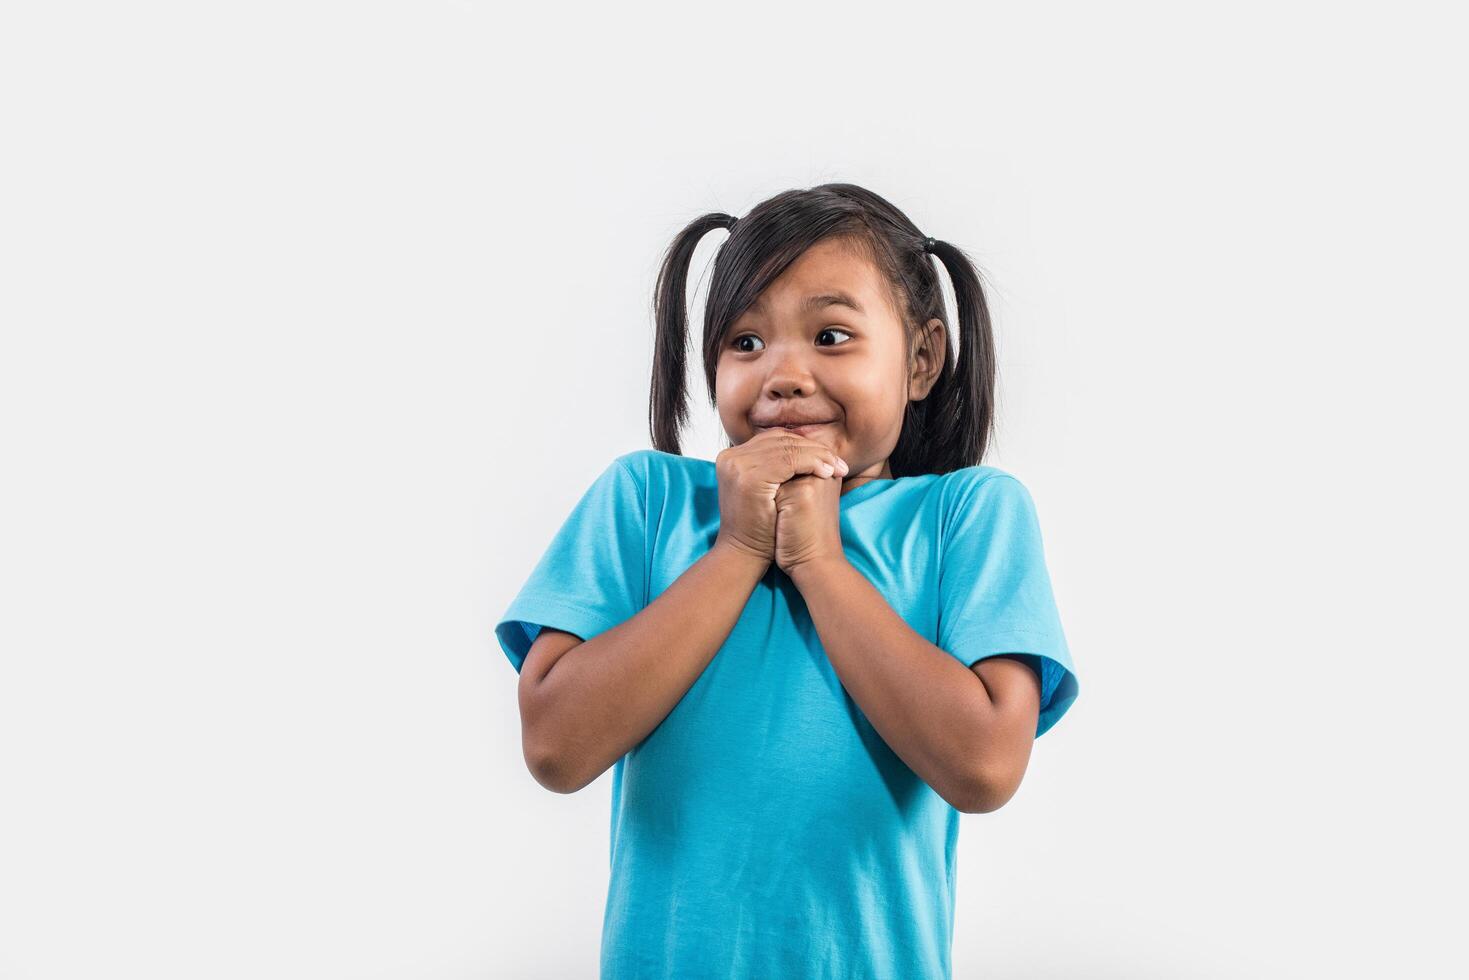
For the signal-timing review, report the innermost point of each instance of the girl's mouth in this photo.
(806, 429)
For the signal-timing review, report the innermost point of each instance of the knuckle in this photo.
(792, 448)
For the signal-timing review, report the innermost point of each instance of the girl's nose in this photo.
(790, 385)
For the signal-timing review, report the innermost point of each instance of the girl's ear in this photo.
(927, 359)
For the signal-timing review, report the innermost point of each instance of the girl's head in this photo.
(824, 305)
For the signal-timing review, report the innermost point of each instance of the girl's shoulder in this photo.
(650, 462)
(982, 493)
(975, 475)
(661, 476)
(970, 484)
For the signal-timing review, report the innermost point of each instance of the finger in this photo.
(790, 442)
(794, 455)
(826, 461)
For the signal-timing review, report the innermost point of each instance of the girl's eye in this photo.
(749, 336)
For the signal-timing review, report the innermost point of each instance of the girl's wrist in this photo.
(741, 553)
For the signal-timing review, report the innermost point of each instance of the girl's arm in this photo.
(583, 705)
(966, 732)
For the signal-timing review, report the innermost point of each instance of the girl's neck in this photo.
(874, 472)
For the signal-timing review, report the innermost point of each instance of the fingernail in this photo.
(825, 470)
(842, 466)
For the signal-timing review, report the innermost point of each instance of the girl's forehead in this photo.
(837, 260)
(828, 274)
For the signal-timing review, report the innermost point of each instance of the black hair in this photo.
(945, 431)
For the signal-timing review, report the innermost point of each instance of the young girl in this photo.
(804, 659)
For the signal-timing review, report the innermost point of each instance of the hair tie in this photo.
(928, 244)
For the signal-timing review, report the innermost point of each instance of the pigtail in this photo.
(668, 393)
(974, 368)
(951, 428)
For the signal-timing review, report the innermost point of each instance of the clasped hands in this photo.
(779, 498)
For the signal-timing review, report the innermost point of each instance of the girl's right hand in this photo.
(749, 476)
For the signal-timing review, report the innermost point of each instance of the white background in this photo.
(319, 317)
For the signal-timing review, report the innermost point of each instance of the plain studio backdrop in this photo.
(319, 317)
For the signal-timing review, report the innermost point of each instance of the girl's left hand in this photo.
(808, 520)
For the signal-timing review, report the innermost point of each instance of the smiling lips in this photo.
(802, 427)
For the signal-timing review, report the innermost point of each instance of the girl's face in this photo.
(824, 344)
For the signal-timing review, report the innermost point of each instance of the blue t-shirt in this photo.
(764, 829)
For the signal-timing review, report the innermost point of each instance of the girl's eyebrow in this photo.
(834, 297)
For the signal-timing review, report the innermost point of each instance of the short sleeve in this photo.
(592, 575)
(994, 590)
